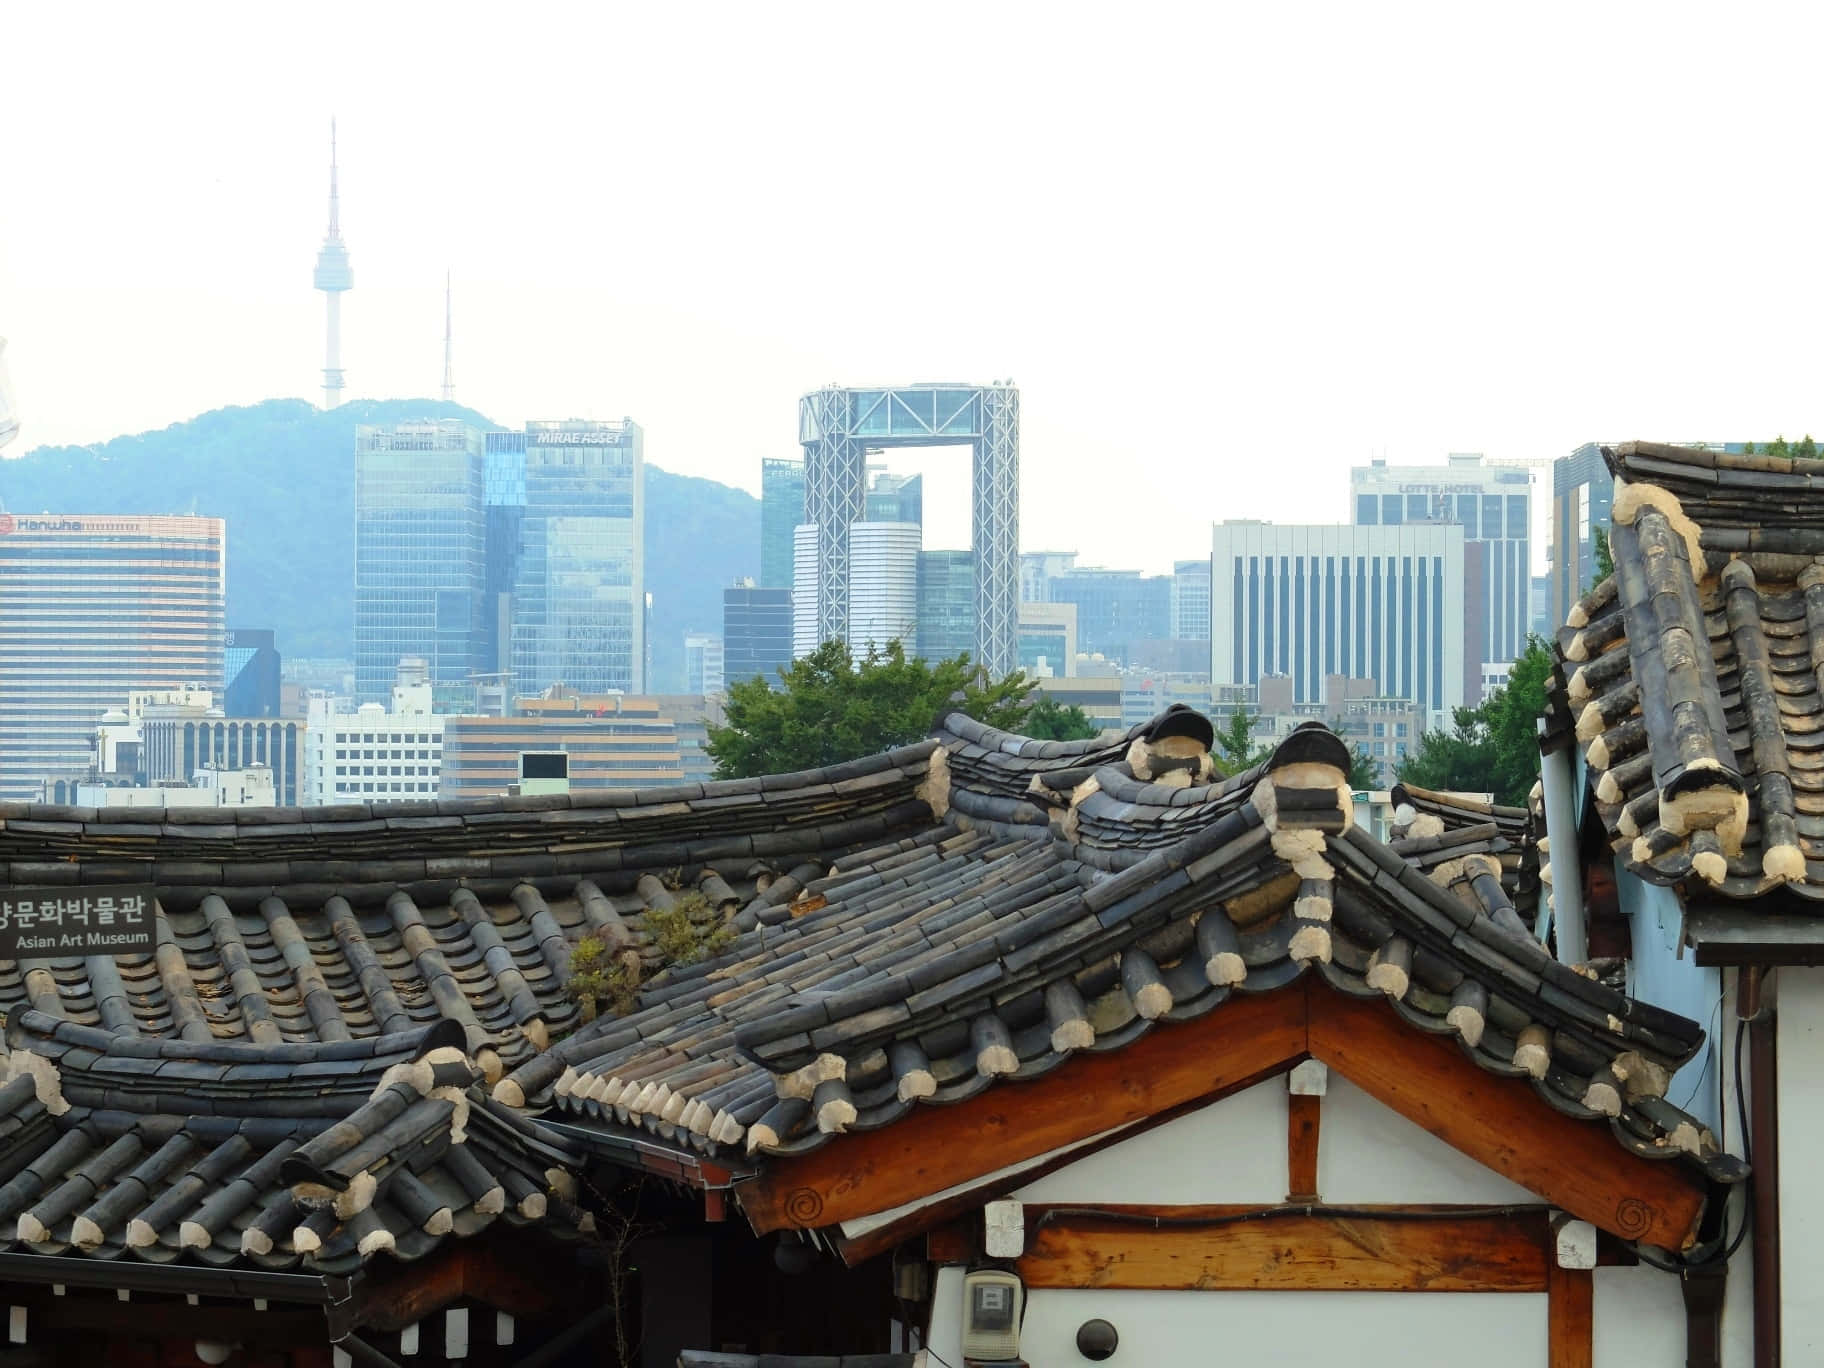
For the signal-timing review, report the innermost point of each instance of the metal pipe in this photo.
(1558, 775)
(1764, 1152)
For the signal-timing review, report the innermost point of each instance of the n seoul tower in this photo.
(332, 277)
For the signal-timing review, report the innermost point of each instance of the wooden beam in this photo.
(1570, 1317)
(934, 1148)
(1304, 1114)
(953, 1242)
(503, 1280)
(1396, 1249)
(1500, 1123)
(967, 1200)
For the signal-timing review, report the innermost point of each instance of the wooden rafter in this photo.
(1572, 1164)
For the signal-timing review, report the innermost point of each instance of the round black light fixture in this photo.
(1096, 1340)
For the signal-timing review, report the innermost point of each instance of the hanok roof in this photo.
(1692, 674)
(301, 1072)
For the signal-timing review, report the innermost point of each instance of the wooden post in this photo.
(1570, 1316)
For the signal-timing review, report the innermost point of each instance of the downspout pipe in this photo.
(1758, 1019)
(1558, 776)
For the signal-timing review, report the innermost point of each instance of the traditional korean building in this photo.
(1016, 1050)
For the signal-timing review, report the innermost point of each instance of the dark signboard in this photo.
(54, 923)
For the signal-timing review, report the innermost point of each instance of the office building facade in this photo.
(1048, 640)
(781, 510)
(1583, 491)
(1493, 506)
(251, 673)
(946, 604)
(1115, 608)
(1190, 600)
(380, 753)
(703, 663)
(96, 607)
(1380, 603)
(883, 585)
(1038, 569)
(420, 543)
(612, 742)
(176, 745)
(574, 570)
(756, 632)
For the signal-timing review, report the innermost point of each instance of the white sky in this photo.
(1225, 250)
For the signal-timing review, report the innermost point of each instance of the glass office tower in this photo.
(575, 569)
(781, 510)
(419, 551)
(946, 604)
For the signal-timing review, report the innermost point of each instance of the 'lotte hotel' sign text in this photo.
(42, 922)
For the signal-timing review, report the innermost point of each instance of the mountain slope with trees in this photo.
(282, 474)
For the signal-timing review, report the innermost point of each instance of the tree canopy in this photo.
(829, 708)
(1779, 446)
(1050, 720)
(1493, 748)
(1235, 749)
(1603, 556)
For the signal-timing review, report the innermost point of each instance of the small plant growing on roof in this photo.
(682, 933)
(597, 981)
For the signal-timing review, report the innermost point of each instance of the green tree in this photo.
(1364, 769)
(1493, 748)
(1235, 748)
(1604, 557)
(829, 708)
(1051, 720)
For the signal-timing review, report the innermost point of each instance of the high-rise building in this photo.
(1380, 603)
(703, 662)
(1582, 492)
(333, 276)
(883, 585)
(96, 607)
(756, 632)
(807, 584)
(1493, 506)
(1190, 600)
(839, 428)
(420, 541)
(895, 498)
(1115, 608)
(781, 510)
(566, 523)
(251, 673)
(946, 604)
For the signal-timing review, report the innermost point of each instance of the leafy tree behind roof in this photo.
(829, 708)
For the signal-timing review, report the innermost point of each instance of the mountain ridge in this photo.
(281, 473)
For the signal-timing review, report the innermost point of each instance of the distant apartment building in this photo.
(611, 741)
(379, 753)
(703, 663)
(92, 608)
(252, 673)
(1376, 602)
(565, 584)
(1048, 640)
(1493, 507)
(946, 604)
(1115, 608)
(693, 716)
(781, 510)
(1190, 620)
(1099, 695)
(420, 539)
(756, 632)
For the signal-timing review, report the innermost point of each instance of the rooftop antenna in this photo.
(449, 372)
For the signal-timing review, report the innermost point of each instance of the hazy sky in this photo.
(1225, 250)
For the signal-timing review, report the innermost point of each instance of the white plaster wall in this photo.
(1801, 1067)
(1229, 1151)
(1367, 1153)
(1640, 1318)
(1321, 1329)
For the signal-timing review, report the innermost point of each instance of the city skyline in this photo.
(1295, 270)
